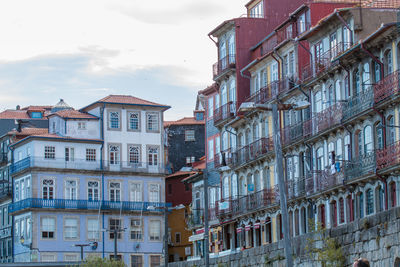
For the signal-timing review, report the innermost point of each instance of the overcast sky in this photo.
(83, 50)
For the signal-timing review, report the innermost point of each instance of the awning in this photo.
(239, 230)
(247, 227)
(198, 237)
(257, 226)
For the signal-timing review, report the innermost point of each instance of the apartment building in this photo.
(339, 154)
(98, 174)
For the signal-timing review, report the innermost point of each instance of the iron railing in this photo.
(85, 205)
(224, 112)
(195, 219)
(292, 133)
(327, 118)
(296, 187)
(388, 157)
(224, 64)
(360, 166)
(253, 151)
(82, 164)
(358, 103)
(387, 87)
(322, 180)
(224, 158)
(254, 201)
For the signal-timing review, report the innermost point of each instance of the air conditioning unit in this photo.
(136, 223)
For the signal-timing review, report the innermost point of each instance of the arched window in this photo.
(379, 135)
(368, 143)
(231, 47)
(248, 137)
(232, 95)
(339, 150)
(291, 223)
(232, 141)
(392, 195)
(349, 209)
(341, 210)
(331, 153)
(250, 183)
(256, 131)
(279, 226)
(388, 61)
(224, 95)
(296, 223)
(320, 159)
(331, 96)
(347, 148)
(322, 215)
(243, 190)
(338, 90)
(377, 72)
(225, 188)
(266, 178)
(360, 205)
(366, 76)
(318, 102)
(241, 140)
(234, 186)
(391, 130)
(357, 83)
(257, 182)
(224, 141)
(359, 143)
(370, 201)
(379, 198)
(334, 213)
(303, 220)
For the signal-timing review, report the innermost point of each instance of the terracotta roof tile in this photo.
(73, 114)
(127, 99)
(34, 108)
(30, 131)
(184, 121)
(14, 114)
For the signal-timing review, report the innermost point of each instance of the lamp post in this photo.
(274, 107)
(166, 210)
(81, 246)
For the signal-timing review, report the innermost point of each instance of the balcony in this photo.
(292, 133)
(5, 189)
(387, 87)
(388, 157)
(322, 180)
(358, 103)
(83, 164)
(296, 188)
(327, 118)
(223, 208)
(287, 32)
(224, 158)
(253, 202)
(223, 65)
(195, 219)
(253, 151)
(39, 203)
(361, 166)
(224, 112)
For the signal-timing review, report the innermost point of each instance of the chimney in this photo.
(17, 107)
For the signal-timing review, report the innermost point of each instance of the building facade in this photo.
(98, 174)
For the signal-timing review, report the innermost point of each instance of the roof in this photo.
(37, 108)
(29, 131)
(181, 173)
(184, 121)
(127, 100)
(73, 114)
(14, 114)
(209, 90)
(54, 136)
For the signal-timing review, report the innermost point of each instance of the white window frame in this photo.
(49, 152)
(154, 192)
(136, 228)
(91, 154)
(93, 234)
(116, 192)
(71, 229)
(153, 235)
(135, 195)
(51, 228)
(93, 192)
(152, 122)
(190, 135)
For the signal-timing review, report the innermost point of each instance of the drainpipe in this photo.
(304, 93)
(386, 188)
(102, 171)
(383, 124)
(244, 75)
(373, 58)
(12, 201)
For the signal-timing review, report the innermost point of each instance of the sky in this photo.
(83, 50)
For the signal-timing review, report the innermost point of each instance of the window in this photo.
(48, 189)
(134, 121)
(90, 154)
(320, 159)
(302, 23)
(211, 149)
(93, 229)
(45, 257)
(391, 130)
(257, 11)
(114, 154)
(379, 135)
(370, 201)
(154, 193)
(210, 107)
(360, 198)
(93, 190)
(152, 122)
(134, 154)
(225, 188)
(357, 83)
(115, 191)
(114, 120)
(81, 125)
(69, 154)
(115, 224)
(366, 76)
(136, 229)
(388, 62)
(368, 145)
(153, 156)
(341, 210)
(189, 135)
(136, 261)
(177, 238)
(347, 149)
(71, 189)
(36, 115)
(71, 228)
(48, 227)
(377, 72)
(136, 192)
(155, 230)
(71, 257)
(49, 152)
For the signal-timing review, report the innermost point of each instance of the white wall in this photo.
(92, 130)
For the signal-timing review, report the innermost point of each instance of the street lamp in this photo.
(274, 107)
(166, 210)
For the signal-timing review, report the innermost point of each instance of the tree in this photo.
(101, 262)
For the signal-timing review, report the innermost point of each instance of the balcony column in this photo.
(254, 237)
(233, 236)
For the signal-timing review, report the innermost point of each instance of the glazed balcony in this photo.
(360, 166)
(388, 157)
(253, 151)
(38, 203)
(224, 158)
(358, 103)
(83, 164)
(327, 118)
(296, 188)
(292, 133)
(224, 112)
(322, 180)
(224, 65)
(387, 87)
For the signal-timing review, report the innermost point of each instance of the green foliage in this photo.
(99, 262)
(329, 253)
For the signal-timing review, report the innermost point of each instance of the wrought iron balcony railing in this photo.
(84, 205)
(360, 166)
(387, 87)
(253, 151)
(327, 118)
(292, 133)
(388, 157)
(224, 112)
(296, 188)
(195, 219)
(358, 103)
(224, 158)
(252, 202)
(322, 180)
(224, 64)
(82, 164)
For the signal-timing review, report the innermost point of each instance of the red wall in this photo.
(179, 194)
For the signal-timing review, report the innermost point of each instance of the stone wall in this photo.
(376, 238)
